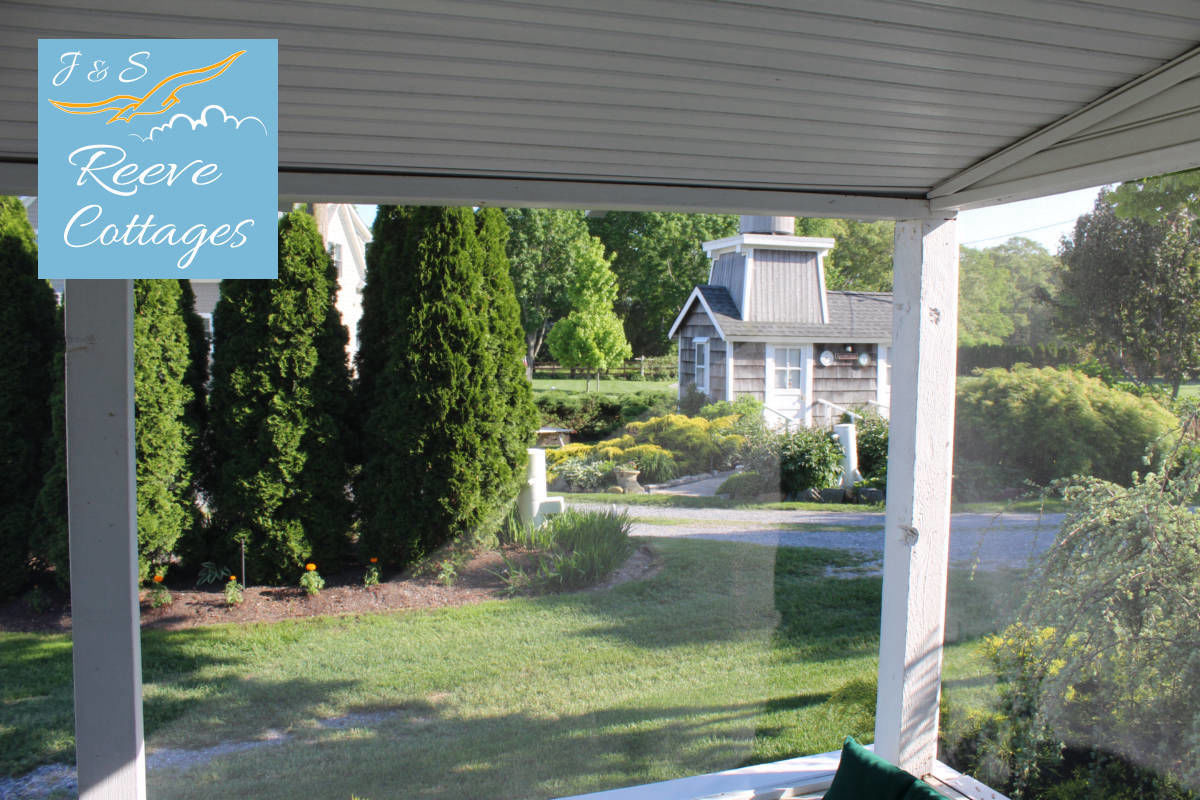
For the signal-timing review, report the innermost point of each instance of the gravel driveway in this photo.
(996, 540)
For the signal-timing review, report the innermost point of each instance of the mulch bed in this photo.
(343, 594)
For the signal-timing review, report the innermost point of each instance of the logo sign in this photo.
(158, 158)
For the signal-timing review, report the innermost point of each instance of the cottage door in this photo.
(786, 366)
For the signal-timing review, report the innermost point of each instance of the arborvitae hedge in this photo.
(161, 360)
(196, 379)
(432, 383)
(511, 395)
(279, 393)
(30, 335)
(49, 534)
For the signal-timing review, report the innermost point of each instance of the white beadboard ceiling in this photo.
(844, 107)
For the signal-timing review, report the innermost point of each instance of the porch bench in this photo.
(803, 778)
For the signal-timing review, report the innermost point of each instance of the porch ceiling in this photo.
(845, 107)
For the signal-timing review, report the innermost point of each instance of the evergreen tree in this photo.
(428, 383)
(28, 328)
(277, 404)
(196, 379)
(161, 360)
(50, 542)
(512, 394)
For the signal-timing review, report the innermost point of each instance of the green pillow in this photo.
(862, 775)
(920, 790)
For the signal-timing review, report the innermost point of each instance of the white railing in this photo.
(830, 408)
(787, 421)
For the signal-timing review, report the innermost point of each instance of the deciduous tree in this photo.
(658, 260)
(591, 335)
(540, 253)
(1130, 286)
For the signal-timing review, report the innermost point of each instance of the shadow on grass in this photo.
(509, 755)
(189, 684)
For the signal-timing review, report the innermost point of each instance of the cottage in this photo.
(765, 326)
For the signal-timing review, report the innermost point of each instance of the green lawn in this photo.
(733, 654)
(607, 385)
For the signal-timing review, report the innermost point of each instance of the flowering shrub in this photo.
(233, 591)
(371, 576)
(311, 581)
(1101, 668)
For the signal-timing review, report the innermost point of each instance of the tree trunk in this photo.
(531, 348)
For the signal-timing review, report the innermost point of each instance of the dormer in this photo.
(772, 275)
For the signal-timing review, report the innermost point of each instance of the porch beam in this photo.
(333, 186)
(102, 518)
(917, 523)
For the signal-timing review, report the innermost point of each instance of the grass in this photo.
(607, 386)
(732, 654)
(1051, 505)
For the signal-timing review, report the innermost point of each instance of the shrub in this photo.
(748, 485)
(873, 448)
(233, 591)
(1048, 423)
(689, 439)
(576, 549)
(1103, 657)
(32, 336)
(655, 464)
(371, 574)
(443, 411)
(164, 440)
(593, 416)
(582, 475)
(278, 412)
(692, 400)
(809, 458)
(311, 581)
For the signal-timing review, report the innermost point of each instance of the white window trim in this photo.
(697, 343)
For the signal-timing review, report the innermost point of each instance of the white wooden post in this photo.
(917, 525)
(102, 516)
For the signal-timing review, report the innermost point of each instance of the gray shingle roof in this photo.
(853, 316)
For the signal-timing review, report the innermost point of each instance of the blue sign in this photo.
(158, 158)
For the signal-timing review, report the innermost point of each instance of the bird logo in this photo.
(163, 96)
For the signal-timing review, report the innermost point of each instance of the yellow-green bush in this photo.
(655, 463)
(664, 447)
(557, 455)
(608, 452)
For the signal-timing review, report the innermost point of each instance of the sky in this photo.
(1044, 220)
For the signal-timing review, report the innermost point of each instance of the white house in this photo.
(765, 326)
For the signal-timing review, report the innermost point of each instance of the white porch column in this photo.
(102, 515)
(920, 451)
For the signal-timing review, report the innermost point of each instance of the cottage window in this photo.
(702, 365)
(788, 368)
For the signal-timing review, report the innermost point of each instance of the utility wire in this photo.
(1019, 233)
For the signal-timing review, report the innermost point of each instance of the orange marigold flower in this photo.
(158, 578)
(233, 577)
(310, 566)
(374, 560)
